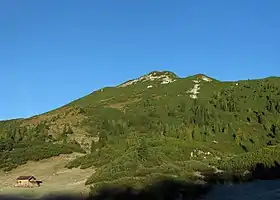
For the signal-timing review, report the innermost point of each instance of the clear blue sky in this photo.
(55, 51)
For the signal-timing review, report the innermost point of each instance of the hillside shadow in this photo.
(258, 172)
(262, 172)
(164, 190)
(175, 190)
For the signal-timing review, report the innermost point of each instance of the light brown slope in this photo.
(56, 178)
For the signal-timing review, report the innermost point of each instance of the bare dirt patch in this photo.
(57, 119)
(73, 114)
(121, 105)
(56, 178)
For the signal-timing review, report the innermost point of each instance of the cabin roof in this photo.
(25, 177)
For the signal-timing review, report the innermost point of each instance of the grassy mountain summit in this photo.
(154, 126)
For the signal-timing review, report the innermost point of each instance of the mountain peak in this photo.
(164, 77)
(161, 73)
(203, 77)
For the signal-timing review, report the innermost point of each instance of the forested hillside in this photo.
(156, 126)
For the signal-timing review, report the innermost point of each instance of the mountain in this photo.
(155, 126)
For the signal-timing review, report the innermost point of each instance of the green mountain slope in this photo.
(155, 126)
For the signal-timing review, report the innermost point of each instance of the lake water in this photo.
(257, 190)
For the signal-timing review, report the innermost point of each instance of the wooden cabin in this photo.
(27, 181)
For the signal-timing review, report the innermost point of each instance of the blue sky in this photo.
(55, 51)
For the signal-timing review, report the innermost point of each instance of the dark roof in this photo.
(25, 177)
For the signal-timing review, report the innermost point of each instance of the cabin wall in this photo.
(24, 183)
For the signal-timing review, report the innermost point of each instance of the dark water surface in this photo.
(256, 190)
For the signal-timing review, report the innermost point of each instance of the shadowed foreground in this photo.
(167, 189)
(217, 188)
(257, 190)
